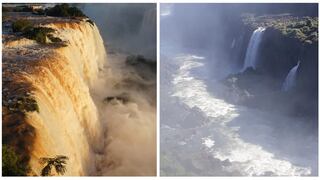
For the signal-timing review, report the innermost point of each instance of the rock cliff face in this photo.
(286, 41)
(47, 106)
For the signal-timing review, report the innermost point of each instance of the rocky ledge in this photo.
(303, 28)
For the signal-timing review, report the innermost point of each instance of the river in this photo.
(202, 134)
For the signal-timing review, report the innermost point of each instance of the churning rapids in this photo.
(202, 134)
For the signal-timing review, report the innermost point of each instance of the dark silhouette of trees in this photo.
(64, 10)
(59, 163)
(12, 164)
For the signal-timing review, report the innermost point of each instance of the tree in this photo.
(64, 10)
(12, 165)
(59, 163)
(21, 25)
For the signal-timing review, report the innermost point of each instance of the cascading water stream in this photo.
(290, 80)
(252, 50)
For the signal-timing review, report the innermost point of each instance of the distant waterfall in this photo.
(290, 80)
(233, 43)
(147, 34)
(252, 50)
(149, 22)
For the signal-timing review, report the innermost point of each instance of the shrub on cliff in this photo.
(21, 103)
(12, 164)
(22, 9)
(21, 25)
(299, 24)
(313, 37)
(54, 39)
(64, 10)
(305, 29)
(39, 34)
(294, 33)
(75, 12)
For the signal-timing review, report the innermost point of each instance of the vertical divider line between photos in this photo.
(318, 92)
(158, 88)
(1, 83)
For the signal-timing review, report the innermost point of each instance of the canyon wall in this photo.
(279, 51)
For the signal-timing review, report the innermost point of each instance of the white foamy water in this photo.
(290, 80)
(221, 141)
(208, 142)
(193, 92)
(253, 47)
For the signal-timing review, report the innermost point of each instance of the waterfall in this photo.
(147, 34)
(70, 84)
(233, 43)
(60, 79)
(68, 121)
(252, 50)
(290, 80)
(148, 22)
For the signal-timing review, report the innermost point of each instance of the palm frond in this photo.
(61, 157)
(46, 170)
(59, 162)
(44, 160)
(61, 169)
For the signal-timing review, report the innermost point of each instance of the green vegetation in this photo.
(54, 39)
(21, 25)
(22, 8)
(40, 34)
(303, 28)
(60, 10)
(12, 164)
(59, 163)
(294, 33)
(20, 103)
(64, 10)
